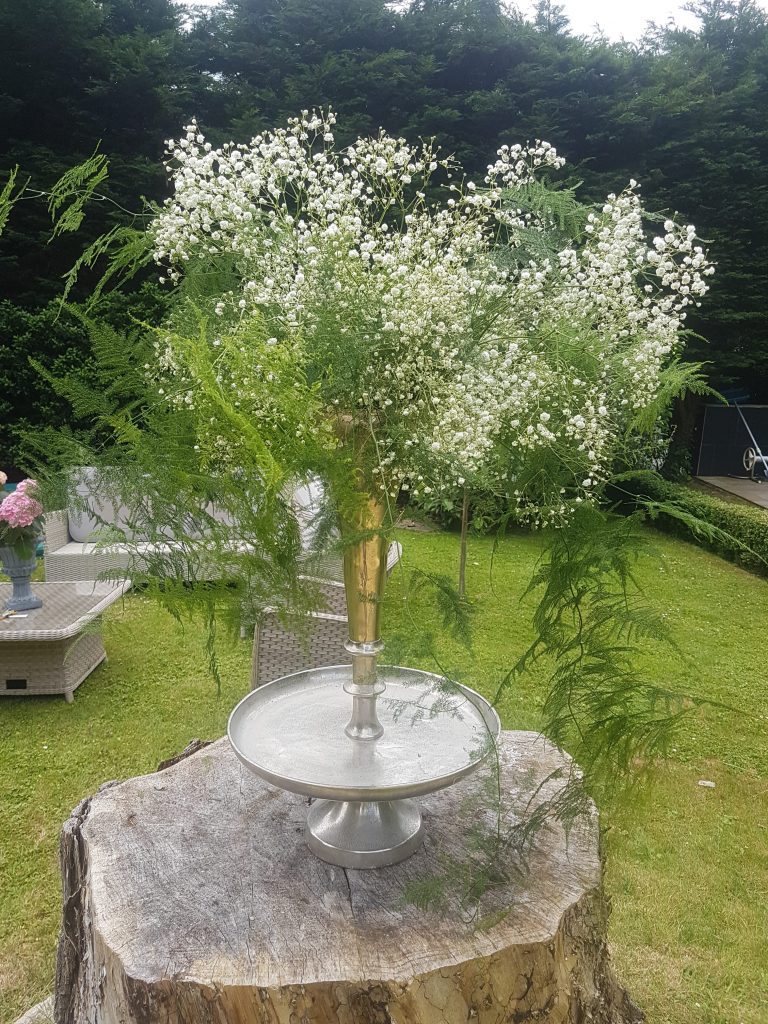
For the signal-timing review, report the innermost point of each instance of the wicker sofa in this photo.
(67, 558)
(73, 551)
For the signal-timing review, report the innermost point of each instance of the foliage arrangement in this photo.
(461, 336)
(732, 529)
(369, 314)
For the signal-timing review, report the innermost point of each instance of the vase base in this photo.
(291, 733)
(23, 604)
(364, 834)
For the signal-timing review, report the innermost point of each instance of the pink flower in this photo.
(3, 478)
(18, 509)
(26, 485)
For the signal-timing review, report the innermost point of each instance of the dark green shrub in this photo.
(735, 531)
(57, 338)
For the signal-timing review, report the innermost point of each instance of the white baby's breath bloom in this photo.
(397, 310)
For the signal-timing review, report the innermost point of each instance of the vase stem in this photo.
(365, 568)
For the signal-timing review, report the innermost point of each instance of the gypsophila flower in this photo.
(398, 311)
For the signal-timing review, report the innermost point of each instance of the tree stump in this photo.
(190, 897)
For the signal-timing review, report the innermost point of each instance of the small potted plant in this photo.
(21, 518)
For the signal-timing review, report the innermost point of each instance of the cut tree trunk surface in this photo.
(190, 897)
(40, 1014)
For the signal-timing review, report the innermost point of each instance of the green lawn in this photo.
(687, 871)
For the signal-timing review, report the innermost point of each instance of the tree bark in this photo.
(463, 544)
(190, 897)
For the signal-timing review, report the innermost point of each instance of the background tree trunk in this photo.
(190, 896)
(683, 455)
(463, 544)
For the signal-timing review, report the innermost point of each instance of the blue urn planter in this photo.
(19, 563)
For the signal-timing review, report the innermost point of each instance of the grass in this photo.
(687, 867)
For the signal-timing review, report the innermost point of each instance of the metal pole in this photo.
(752, 438)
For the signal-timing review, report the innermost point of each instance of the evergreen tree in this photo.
(690, 124)
(683, 112)
(550, 17)
(74, 75)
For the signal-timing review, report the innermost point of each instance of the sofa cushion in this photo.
(307, 501)
(85, 525)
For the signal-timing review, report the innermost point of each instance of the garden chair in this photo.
(316, 640)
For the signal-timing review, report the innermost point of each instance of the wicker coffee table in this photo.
(51, 650)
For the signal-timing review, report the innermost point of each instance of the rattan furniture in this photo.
(69, 560)
(73, 550)
(51, 649)
(282, 646)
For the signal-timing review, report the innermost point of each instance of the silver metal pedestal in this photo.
(358, 834)
(292, 733)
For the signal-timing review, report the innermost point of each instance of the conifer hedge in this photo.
(731, 529)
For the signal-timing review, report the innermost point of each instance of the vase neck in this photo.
(365, 569)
